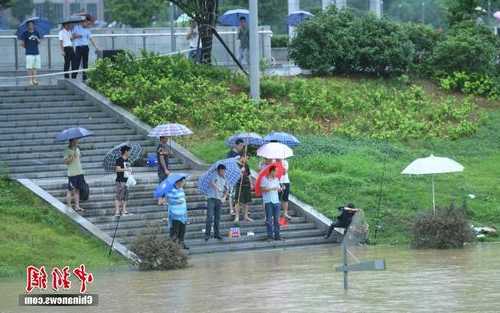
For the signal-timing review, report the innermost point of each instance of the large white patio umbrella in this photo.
(430, 166)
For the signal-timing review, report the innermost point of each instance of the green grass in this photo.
(35, 234)
(328, 171)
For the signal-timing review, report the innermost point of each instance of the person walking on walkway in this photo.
(218, 192)
(177, 212)
(75, 174)
(30, 41)
(244, 37)
(270, 186)
(121, 189)
(243, 190)
(67, 50)
(81, 38)
(162, 155)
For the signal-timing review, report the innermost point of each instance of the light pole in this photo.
(172, 27)
(254, 51)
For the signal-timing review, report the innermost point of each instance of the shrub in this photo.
(467, 48)
(471, 84)
(342, 42)
(157, 252)
(424, 39)
(279, 41)
(448, 228)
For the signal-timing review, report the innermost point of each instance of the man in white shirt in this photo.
(67, 50)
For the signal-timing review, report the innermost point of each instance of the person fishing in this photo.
(344, 219)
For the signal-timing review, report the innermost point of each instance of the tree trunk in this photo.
(207, 21)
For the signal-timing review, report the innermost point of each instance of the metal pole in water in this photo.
(254, 51)
(344, 252)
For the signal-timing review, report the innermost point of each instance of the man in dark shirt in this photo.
(162, 155)
(30, 40)
(344, 219)
(122, 171)
(237, 150)
(244, 37)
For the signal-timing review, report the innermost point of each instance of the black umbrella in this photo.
(114, 154)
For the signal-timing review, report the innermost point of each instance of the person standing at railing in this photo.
(30, 41)
(81, 38)
(67, 50)
(244, 37)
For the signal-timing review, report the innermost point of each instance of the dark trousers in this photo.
(273, 220)
(213, 216)
(336, 224)
(81, 58)
(177, 231)
(69, 60)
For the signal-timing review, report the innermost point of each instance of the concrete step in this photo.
(197, 210)
(50, 144)
(50, 110)
(60, 103)
(36, 92)
(29, 88)
(54, 129)
(195, 231)
(64, 123)
(27, 118)
(57, 157)
(263, 244)
(49, 98)
(51, 135)
(141, 195)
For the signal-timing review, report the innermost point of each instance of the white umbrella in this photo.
(275, 150)
(430, 166)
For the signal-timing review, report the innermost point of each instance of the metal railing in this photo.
(114, 36)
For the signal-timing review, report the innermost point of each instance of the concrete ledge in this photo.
(75, 217)
(130, 119)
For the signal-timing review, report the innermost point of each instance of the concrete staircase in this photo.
(30, 118)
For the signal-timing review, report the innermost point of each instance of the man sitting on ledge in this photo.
(344, 219)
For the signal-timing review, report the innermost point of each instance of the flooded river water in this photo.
(299, 280)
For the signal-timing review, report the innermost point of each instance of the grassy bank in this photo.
(357, 133)
(34, 233)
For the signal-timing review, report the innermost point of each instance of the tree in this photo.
(21, 8)
(204, 13)
(136, 13)
(462, 10)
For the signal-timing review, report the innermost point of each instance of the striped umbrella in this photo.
(250, 139)
(232, 176)
(284, 138)
(170, 130)
(114, 154)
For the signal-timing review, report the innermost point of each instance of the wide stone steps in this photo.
(53, 117)
(48, 98)
(35, 92)
(29, 88)
(65, 123)
(50, 136)
(60, 103)
(55, 129)
(49, 110)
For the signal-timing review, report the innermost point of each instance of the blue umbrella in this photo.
(250, 139)
(42, 26)
(233, 174)
(284, 138)
(232, 17)
(168, 184)
(73, 133)
(297, 17)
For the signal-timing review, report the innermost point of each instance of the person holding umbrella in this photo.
(243, 190)
(81, 38)
(237, 149)
(75, 174)
(270, 186)
(30, 39)
(122, 169)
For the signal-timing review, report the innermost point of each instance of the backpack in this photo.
(84, 191)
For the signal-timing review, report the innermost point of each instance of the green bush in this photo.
(424, 39)
(472, 84)
(447, 228)
(157, 252)
(279, 41)
(467, 48)
(342, 42)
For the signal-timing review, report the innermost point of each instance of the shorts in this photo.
(121, 191)
(162, 176)
(33, 62)
(75, 182)
(285, 193)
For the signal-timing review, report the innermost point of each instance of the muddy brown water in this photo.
(299, 280)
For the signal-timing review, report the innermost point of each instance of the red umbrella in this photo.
(280, 170)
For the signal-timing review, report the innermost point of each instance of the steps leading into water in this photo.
(30, 117)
